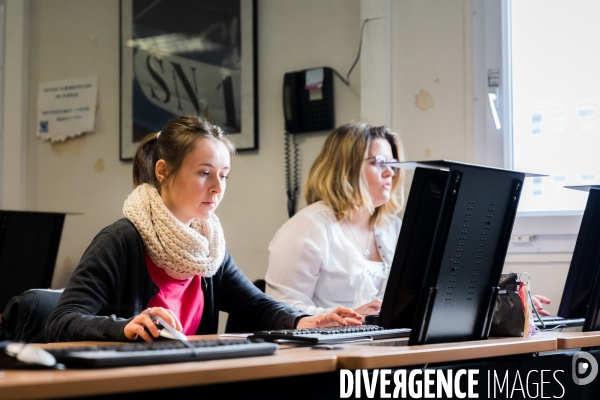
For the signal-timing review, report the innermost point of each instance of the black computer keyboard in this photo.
(331, 335)
(160, 352)
(551, 321)
(548, 318)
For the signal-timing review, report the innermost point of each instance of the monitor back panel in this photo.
(467, 256)
(592, 317)
(581, 297)
(450, 253)
(413, 248)
(585, 262)
(28, 247)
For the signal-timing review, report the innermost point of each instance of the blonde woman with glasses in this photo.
(338, 250)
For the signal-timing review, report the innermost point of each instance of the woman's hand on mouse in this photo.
(339, 316)
(144, 326)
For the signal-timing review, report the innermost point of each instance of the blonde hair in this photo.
(336, 177)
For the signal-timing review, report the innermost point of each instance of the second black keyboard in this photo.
(159, 352)
(552, 321)
(331, 335)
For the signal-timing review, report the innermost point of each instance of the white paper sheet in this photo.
(66, 108)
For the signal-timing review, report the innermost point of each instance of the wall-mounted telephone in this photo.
(307, 107)
(308, 100)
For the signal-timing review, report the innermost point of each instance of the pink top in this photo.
(183, 297)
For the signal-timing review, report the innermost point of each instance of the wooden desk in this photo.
(370, 357)
(287, 363)
(574, 340)
(21, 384)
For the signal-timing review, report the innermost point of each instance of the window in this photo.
(555, 85)
(538, 63)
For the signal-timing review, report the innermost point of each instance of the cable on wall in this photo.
(292, 166)
(347, 80)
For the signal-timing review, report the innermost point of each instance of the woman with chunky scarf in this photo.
(168, 257)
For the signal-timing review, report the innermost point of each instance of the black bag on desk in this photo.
(509, 316)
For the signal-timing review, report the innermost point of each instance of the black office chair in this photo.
(234, 326)
(25, 315)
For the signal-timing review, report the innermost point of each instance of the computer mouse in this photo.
(170, 334)
(165, 330)
(22, 355)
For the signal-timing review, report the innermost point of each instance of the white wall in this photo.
(13, 113)
(431, 78)
(71, 39)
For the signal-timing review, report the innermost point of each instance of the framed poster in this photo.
(183, 57)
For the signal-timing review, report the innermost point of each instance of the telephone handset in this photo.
(308, 100)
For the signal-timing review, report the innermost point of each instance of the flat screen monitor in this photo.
(28, 247)
(581, 295)
(450, 253)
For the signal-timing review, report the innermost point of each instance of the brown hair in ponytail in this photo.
(172, 144)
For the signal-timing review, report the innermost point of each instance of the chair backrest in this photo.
(234, 326)
(25, 315)
(261, 284)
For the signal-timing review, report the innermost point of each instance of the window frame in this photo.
(493, 147)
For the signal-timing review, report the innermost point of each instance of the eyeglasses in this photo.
(382, 163)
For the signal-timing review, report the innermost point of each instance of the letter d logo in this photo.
(579, 369)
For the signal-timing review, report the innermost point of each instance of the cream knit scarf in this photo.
(180, 250)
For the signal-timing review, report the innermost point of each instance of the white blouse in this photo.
(315, 268)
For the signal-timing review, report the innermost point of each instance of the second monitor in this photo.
(581, 295)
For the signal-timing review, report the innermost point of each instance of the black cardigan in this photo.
(111, 285)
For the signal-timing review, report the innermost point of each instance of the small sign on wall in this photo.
(66, 108)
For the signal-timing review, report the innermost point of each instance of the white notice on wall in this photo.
(66, 108)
